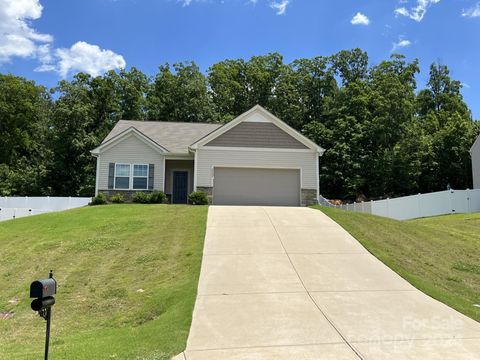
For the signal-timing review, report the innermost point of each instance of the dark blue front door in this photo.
(180, 187)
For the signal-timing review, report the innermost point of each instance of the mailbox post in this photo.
(43, 291)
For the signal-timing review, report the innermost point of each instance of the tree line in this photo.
(382, 135)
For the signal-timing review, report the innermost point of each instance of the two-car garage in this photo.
(256, 186)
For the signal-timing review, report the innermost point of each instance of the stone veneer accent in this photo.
(207, 190)
(309, 197)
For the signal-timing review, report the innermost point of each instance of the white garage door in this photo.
(250, 186)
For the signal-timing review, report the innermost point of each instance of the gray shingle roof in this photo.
(176, 137)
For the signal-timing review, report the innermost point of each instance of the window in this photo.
(131, 177)
(122, 176)
(140, 177)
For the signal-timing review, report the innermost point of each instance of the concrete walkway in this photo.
(289, 283)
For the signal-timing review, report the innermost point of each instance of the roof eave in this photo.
(118, 137)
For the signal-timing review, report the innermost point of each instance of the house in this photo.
(475, 153)
(256, 159)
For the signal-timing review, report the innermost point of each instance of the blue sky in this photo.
(47, 40)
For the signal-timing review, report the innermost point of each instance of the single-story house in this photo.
(475, 153)
(256, 159)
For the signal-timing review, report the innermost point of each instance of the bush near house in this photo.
(198, 198)
(100, 199)
(117, 199)
(141, 198)
(158, 197)
(155, 197)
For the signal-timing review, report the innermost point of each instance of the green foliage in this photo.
(382, 136)
(100, 199)
(141, 197)
(158, 197)
(181, 95)
(117, 199)
(24, 153)
(198, 198)
(154, 197)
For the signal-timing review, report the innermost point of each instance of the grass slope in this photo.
(438, 255)
(102, 257)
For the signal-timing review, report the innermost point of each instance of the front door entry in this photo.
(180, 187)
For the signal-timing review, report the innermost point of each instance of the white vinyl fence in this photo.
(16, 207)
(416, 206)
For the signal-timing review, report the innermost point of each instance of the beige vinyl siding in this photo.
(305, 161)
(476, 164)
(130, 150)
(257, 135)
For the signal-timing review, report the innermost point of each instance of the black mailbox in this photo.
(44, 303)
(43, 288)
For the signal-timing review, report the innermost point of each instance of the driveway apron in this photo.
(290, 283)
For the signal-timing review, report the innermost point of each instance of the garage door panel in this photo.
(251, 186)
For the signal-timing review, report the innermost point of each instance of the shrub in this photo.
(198, 198)
(117, 199)
(158, 197)
(141, 198)
(100, 199)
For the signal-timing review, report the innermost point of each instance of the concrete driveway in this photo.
(289, 283)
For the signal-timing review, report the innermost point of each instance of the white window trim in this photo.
(130, 177)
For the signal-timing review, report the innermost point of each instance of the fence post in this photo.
(451, 202)
(468, 201)
(388, 207)
(419, 201)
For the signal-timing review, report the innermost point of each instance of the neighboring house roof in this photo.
(173, 136)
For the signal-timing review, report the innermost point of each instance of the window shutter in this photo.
(111, 175)
(151, 174)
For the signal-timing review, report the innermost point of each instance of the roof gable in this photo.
(258, 115)
(172, 137)
(131, 131)
(256, 135)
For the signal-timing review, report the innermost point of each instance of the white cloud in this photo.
(402, 43)
(280, 7)
(472, 12)
(417, 12)
(17, 37)
(83, 57)
(360, 19)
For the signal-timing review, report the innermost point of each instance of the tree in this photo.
(238, 85)
(448, 121)
(181, 95)
(24, 111)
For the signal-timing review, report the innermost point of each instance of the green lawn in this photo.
(438, 255)
(127, 279)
